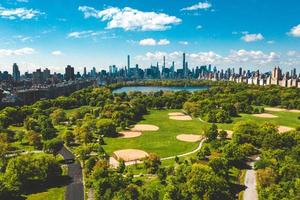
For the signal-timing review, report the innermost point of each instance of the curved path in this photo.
(115, 163)
(250, 182)
(75, 188)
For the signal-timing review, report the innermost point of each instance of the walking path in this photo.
(115, 163)
(250, 182)
(75, 188)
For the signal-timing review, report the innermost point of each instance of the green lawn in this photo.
(57, 193)
(163, 142)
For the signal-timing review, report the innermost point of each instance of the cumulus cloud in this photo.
(198, 6)
(131, 19)
(16, 52)
(56, 53)
(153, 42)
(295, 31)
(19, 13)
(252, 37)
(183, 42)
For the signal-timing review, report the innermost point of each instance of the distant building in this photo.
(16, 72)
(69, 73)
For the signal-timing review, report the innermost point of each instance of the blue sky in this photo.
(254, 34)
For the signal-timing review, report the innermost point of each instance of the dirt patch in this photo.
(181, 118)
(176, 114)
(284, 129)
(189, 137)
(265, 115)
(130, 154)
(229, 133)
(130, 134)
(145, 127)
(282, 110)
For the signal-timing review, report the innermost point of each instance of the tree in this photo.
(106, 127)
(58, 116)
(68, 137)
(220, 166)
(212, 133)
(121, 166)
(203, 153)
(162, 174)
(53, 146)
(152, 163)
(222, 134)
(34, 139)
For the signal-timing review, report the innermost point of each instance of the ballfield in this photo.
(206, 144)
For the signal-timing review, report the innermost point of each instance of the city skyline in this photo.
(98, 34)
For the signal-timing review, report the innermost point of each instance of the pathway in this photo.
(75, 188)
(250, 182)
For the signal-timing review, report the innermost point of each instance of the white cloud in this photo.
(91, 34)
(153, 42)
(131, 19)
(23, 1)
(56, 53)
(148, 42)
(295, 31)
(163, 42)
(183, 42)
(252, 37)
(199, 27)
(198, 6)
(19, 13)
(16, 52)
(234, 58)
(24, 38)
(271, 42)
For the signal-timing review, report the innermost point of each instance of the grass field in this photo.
(163, 142)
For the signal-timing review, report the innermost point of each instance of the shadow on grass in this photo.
(33, 187)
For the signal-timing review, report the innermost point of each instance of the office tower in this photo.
(69, 73)
(128, 62)
(37, 77)
(164, 65)
(84, 71)
(240, 71)
(16, 72)
(46, 74)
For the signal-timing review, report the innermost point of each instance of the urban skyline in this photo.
(101, 33)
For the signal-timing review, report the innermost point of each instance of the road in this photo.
(75, 188)
(250, 182)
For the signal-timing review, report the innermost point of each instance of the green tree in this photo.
(152, 163)
(212, 133)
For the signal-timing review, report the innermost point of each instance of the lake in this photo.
(159, 88)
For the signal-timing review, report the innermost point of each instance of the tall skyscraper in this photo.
(16, 72)
(184, 65)
(164, 65)
(128, 62)
(84, 71)
(69, 73)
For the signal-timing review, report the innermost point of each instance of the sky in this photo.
(253, 34)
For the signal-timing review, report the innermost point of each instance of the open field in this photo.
(163, 141)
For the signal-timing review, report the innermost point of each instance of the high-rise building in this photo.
(84, 72)
(128, 62)
(69, 73)
(46, 74)
(16, 72)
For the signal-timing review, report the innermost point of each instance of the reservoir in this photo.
(159, 88)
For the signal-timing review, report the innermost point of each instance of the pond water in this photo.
(159, 88)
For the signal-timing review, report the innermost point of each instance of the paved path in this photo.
(115, 163)
(250, 182)
(75, 188)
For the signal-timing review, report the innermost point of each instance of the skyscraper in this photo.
(128, 62)
(69, 73)
(16, 72)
